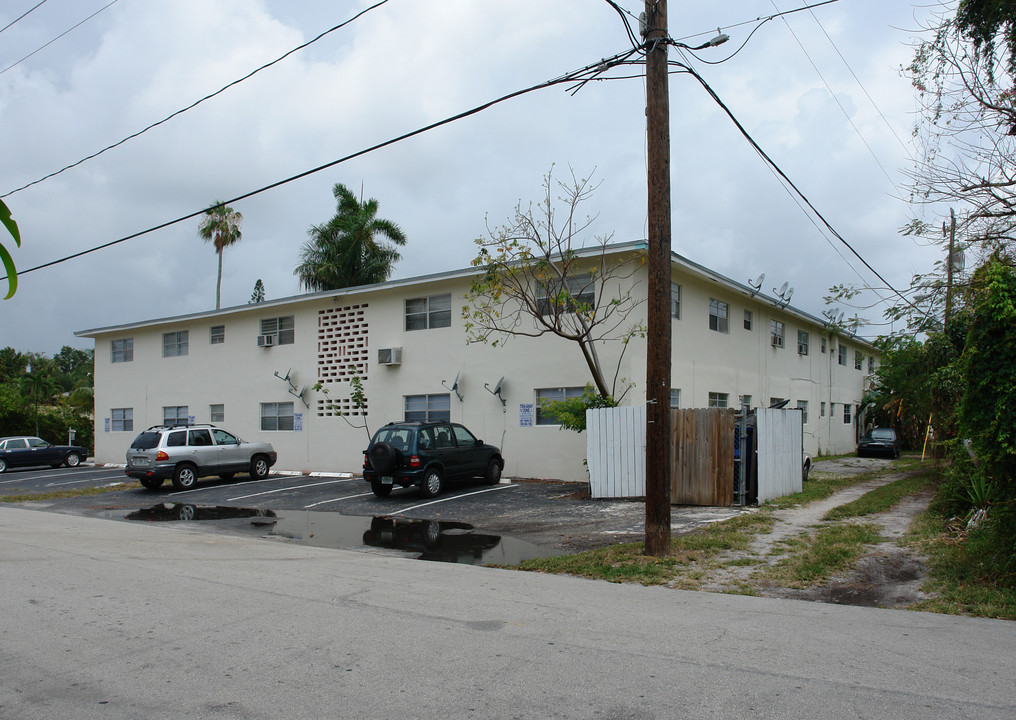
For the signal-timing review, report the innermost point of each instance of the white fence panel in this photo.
(779, 437)
(616, 451)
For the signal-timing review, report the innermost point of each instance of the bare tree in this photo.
(537, 281)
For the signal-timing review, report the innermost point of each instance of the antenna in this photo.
(455, 386)
(497, 390)
(756, 286)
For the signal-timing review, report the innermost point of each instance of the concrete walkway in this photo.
(102, 619)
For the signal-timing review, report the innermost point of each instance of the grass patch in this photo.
(819, 556)
(883, 498)
(60, 494)
(821, 485)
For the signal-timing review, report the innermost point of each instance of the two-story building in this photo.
(253, 369)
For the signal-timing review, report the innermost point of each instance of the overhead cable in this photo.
(43, 47)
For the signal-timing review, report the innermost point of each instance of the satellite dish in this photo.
(783, 289)
(497, 388)
(302, 391)
(455, 383)
(455, 386)
(761, 279)
(757, 285)
(790, 294)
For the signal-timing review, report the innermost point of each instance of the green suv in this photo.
(427, 454)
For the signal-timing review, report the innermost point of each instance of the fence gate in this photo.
(702, 457)
(616, 451)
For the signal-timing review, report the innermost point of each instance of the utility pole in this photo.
(658, 342)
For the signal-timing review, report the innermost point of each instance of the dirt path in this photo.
(886, 576)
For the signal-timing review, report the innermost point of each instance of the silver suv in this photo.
(185, 453)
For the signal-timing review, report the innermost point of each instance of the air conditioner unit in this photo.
(777, 340)
(266, 340)
(389, 356)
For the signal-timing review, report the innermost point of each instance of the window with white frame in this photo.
(802, 342)
(217, 334)
(802, 405)
(774, 401)
(122, 350)
(427, 313)
(175, 415)
(823, 345)
(718, 315)
(428, 408)
(675, 301)
(121, 419)
(283, 329)
(776, 333)
(821, 410)
(842, 358)
(675, 398)
(846, 413)
(276, 416)
(577, 290)
(747, 319)
(718, 400)
(217, 413)
(174, 344)
(858, 359)
(871, 364)
(545, 395)
(744, 400)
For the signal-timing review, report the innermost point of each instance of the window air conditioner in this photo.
(266, 340)
(777, 341)
(389, 356)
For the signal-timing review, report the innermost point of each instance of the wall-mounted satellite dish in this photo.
(784, 294)
(756, 286)
(497, 390)
(455, 386)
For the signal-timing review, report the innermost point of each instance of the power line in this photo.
(575, 76)
(22, 16)
(197, 102)
(114, 2)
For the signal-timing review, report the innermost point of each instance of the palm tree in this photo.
(346, 251)
(221, 226)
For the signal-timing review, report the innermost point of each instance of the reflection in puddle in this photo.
(439, 540)
(166, 512)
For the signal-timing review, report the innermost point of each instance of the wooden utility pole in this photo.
(658, 341)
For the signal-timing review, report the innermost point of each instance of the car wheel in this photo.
(432, 483)
(186, 512)
(382, 457)
(3, 465)
(226, 476)
(380, 489)
(72, 460)
(259, 467)
(184, 476)
(493, 474)
(152, 483)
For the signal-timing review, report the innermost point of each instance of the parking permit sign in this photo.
(526, 415)
(297, 422)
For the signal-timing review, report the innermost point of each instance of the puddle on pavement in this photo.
(437, 540)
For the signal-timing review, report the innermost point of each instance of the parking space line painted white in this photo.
(285, 489)
(344, 497)
(453, 497)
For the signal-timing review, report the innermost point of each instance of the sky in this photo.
(821, 91)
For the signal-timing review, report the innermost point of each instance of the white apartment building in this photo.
(253, 369)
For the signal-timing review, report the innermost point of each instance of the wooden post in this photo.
(658, 343)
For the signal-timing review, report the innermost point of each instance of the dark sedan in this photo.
(880, 441)
(26, 451)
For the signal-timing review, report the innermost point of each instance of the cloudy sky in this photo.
(820, 91)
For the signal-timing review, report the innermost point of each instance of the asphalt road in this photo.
(119, 620)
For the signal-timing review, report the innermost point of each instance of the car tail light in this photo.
(414, 461)
(365, 465)
(162, 455)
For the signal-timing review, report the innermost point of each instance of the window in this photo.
(675, 398)
(579, 290)
(429, 312)
(544, 417)
(802, 342)
(717, 315)
(428, 408)
(858, 359)
(217, 413)
(199, 438)
(802, 405)
(821, 411)
(218, 334)
(871, 364)
(276, 416)
(122, 419)
(774, 401)
(282, 328)
(823, 344)
(843, 355)
(747, 319)
(744, 400)
(717, 400)
(175, 415)
(776, 333)
(122, 350)
(675, 301)
(846, 413)
(15, 444)
(174, 344)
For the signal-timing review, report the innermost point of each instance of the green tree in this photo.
(347, 250)
(221, 227)
(258, 296)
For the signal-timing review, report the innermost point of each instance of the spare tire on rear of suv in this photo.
(382, 457)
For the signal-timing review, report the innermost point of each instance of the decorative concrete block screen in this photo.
(342, 354)
(616, 451)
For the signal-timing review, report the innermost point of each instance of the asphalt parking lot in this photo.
(462, 525)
